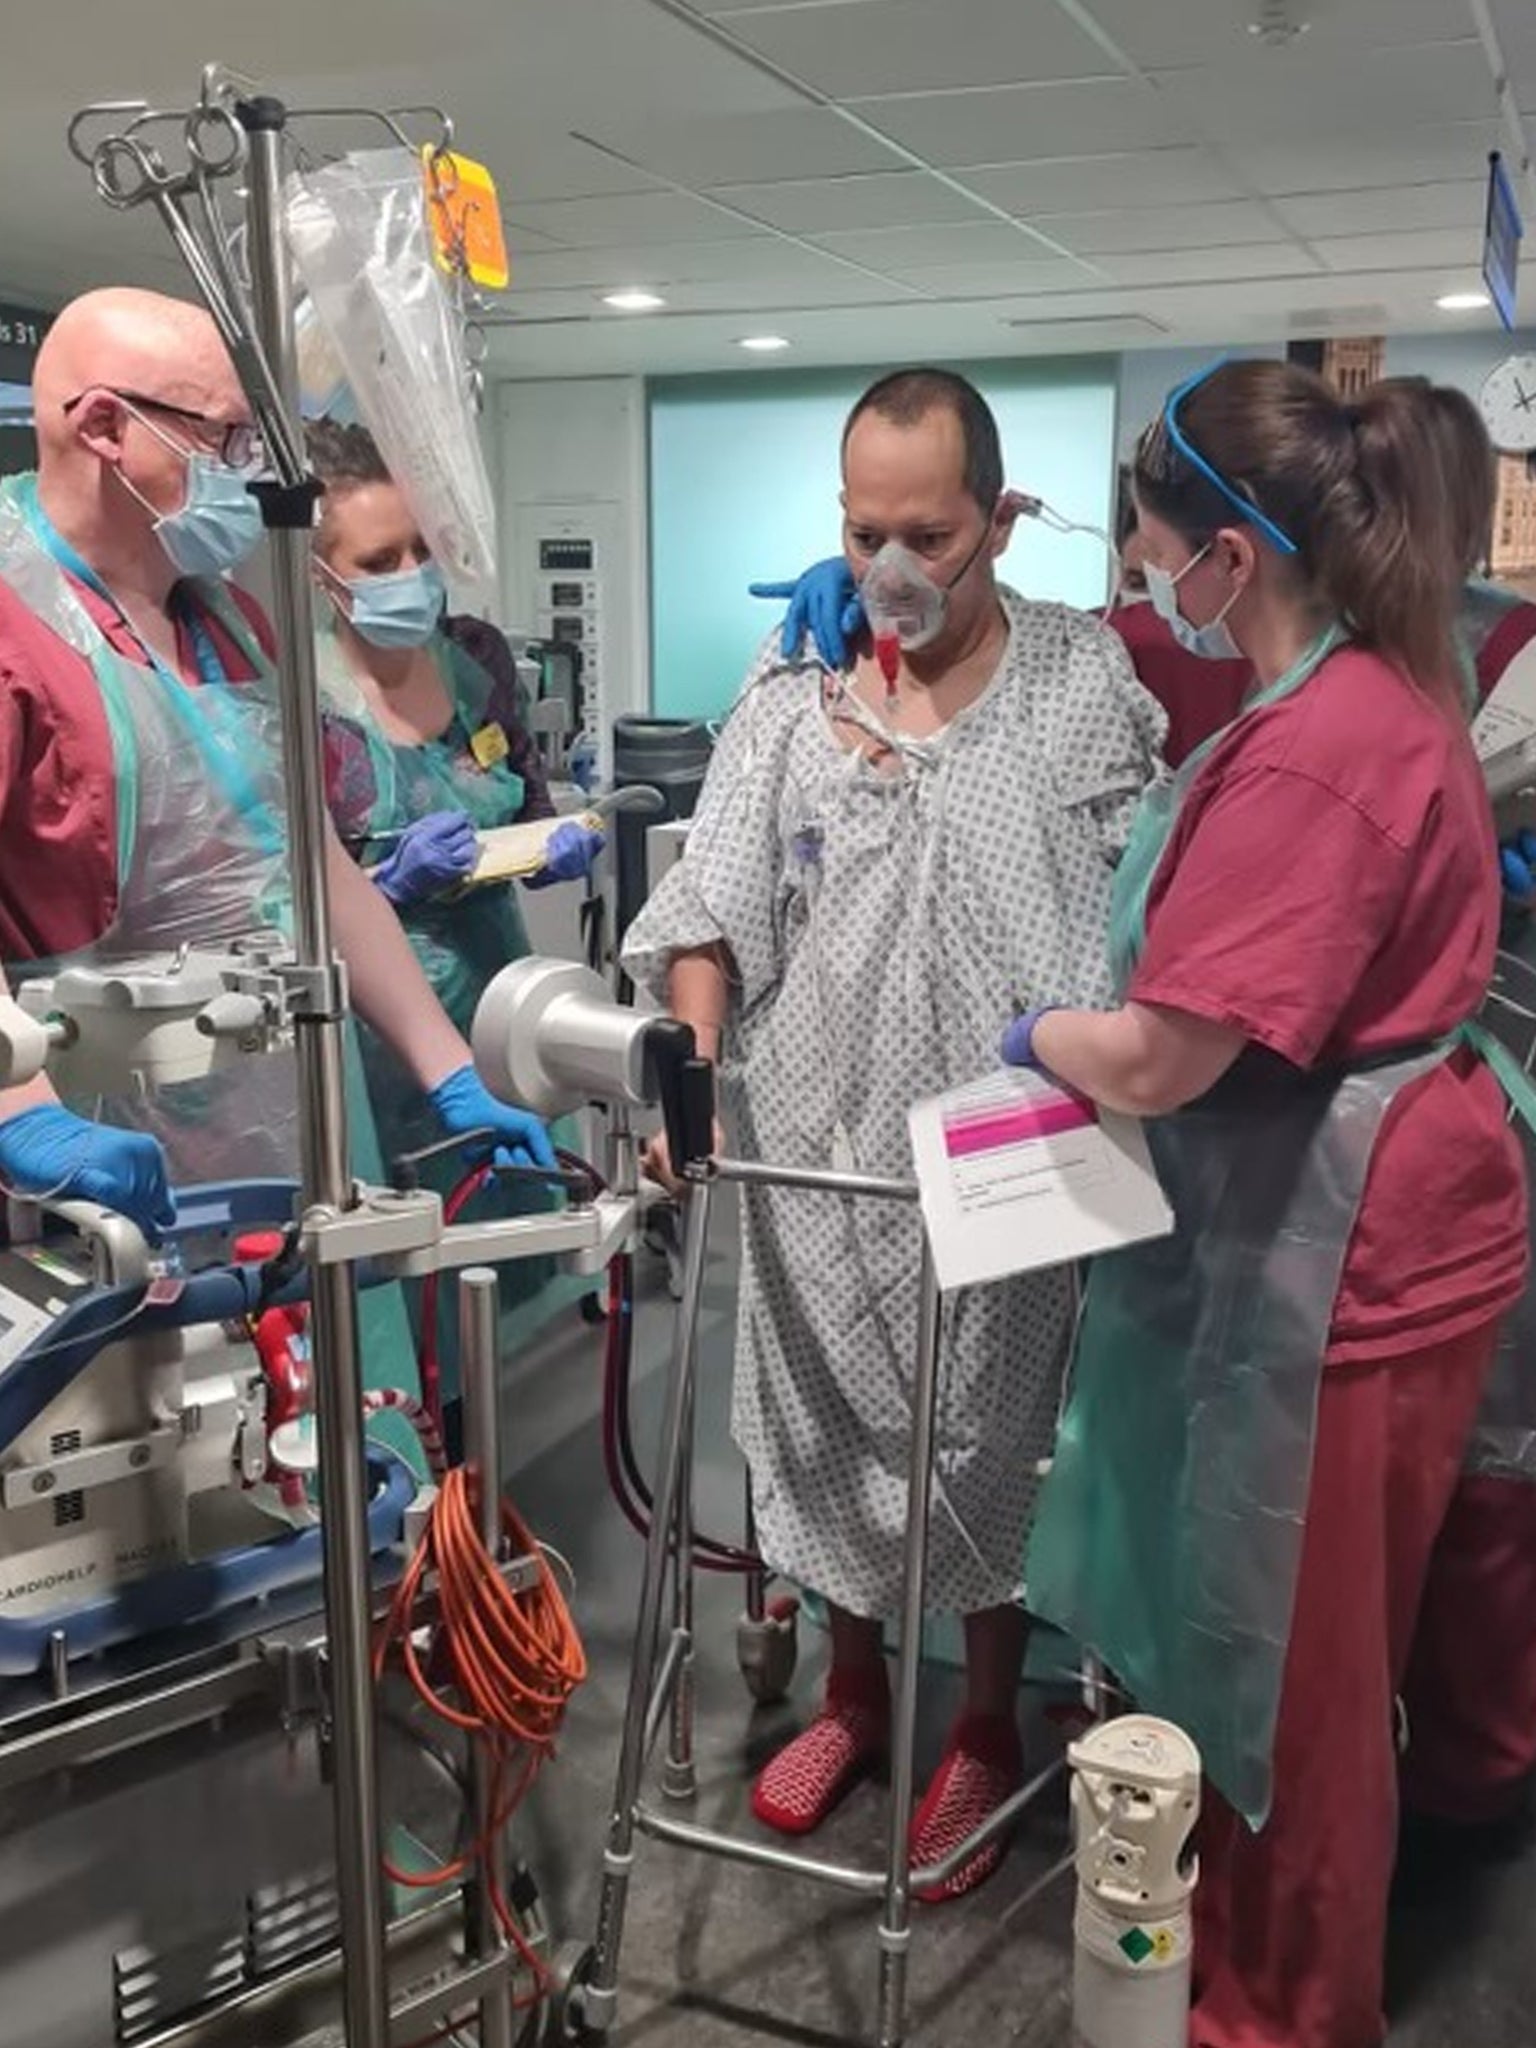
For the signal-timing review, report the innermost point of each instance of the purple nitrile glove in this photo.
(1018, 1046)
(823, 602)
(569, 854)
(431, 856)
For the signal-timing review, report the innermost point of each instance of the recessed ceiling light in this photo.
(634, 301)
(1276, 24)
(1462, 302)
(763, 344)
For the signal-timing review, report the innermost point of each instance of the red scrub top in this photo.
(58, 800)
(1331, 891)
(1199, 696)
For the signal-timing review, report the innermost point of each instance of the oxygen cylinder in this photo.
(1135, 1800)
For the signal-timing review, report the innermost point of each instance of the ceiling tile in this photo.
(844, 287)
(533, 163)
(994, 280)
(1348, 161)
(1069, 184)
(891, 248)
(1516, 24)
(1235, 221)
(1269, 312)
(636, 218)
(1216, 31)
(1392, 91)
(1396, 208)
(1058, 337)
(718, 149)
(880, 46)
(491, 63)
(1205, 266)
(531, 82)
(838, 288)
(719, 8)
(830, 205)
(529, 242)
(520, 306)
(1435, 248)
(609, 269)
(1066, 305)
(1020, 123)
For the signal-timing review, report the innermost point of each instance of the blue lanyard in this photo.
(224, 758)
(210, 668)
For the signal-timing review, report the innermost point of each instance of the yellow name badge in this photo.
(489, 745)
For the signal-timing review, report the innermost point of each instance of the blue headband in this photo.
(1196, 460)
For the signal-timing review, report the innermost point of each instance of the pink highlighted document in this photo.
(1017, 1173)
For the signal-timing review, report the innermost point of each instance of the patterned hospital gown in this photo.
(881, 928)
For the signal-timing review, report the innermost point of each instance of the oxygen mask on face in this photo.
(905, 608)
(901, 600)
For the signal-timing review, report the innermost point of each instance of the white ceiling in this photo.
(873, 179)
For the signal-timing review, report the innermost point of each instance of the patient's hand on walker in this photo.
(656, 1161)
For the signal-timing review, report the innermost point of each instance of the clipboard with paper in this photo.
(1504, 732)
(1016, 1173)
(510, 852)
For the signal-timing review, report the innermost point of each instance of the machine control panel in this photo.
(567, 550)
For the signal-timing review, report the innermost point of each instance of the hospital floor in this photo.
(720, 1956)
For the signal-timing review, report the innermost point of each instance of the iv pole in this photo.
(319, 1028)
(233, 130)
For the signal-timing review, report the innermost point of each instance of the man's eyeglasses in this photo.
(239, 445)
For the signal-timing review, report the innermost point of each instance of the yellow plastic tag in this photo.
(465, 217)
(489, 745)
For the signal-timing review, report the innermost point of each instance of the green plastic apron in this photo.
(461, 941)
(1169, 1533)
(202, 860)
(1504, 1441)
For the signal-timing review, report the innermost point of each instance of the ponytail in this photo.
(1468, 465)
(1358, 489)
(1388, 547)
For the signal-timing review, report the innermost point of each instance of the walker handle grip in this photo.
(696, 1115)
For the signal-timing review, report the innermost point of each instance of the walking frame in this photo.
(661, 1684)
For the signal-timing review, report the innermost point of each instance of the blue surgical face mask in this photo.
(401, 610)
(219, 522)
(1212, 642)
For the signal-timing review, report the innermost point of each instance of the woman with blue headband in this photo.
(1270, 1408)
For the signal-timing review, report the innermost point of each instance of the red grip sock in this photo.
(799, 1787)
(983, 1765)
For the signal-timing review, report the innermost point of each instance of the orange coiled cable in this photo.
(513, 1660)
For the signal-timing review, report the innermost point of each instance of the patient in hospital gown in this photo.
(882, 902)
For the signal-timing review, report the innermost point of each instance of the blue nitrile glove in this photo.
(1018, 1046)
(464, 1103)
(569, 855)
(825, 603)
(1517, 866)
(432, 855)
(51, 1151)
